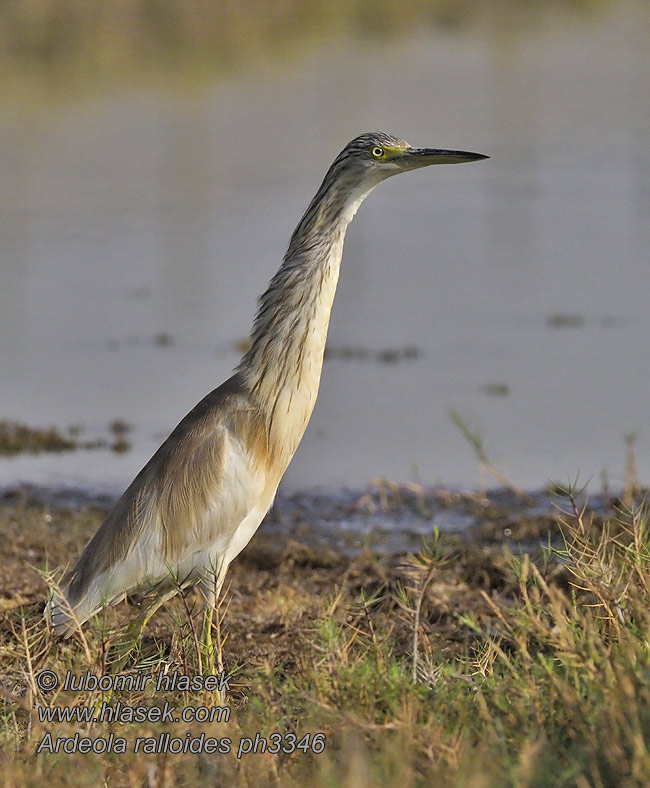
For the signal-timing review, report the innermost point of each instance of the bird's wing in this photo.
(195, 491)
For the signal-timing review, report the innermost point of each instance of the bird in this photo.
(201, 497)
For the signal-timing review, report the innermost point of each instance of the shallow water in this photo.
(383, 517)
(137, 230)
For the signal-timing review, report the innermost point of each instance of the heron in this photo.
(201, 497)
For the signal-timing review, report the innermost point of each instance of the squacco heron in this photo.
(199, 500)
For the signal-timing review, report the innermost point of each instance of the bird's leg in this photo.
(207, 645)
(128, 641)
(210, 589)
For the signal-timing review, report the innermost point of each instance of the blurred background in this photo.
(156, 155)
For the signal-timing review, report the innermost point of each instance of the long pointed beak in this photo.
(413, 158)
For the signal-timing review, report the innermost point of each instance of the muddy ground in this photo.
(290, 570)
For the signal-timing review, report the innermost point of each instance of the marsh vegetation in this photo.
(467, 663)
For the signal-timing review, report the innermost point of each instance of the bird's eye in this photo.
(377, 152)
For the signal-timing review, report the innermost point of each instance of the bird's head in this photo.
(371, 158)
(365, 162)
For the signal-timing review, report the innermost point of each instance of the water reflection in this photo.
(152, 215)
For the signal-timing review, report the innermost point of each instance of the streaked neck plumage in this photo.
(283, 366)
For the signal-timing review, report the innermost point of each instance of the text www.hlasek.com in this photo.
(118, 712)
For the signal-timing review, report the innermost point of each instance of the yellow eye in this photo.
(377, 152)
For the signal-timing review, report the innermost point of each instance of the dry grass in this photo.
(464, 665)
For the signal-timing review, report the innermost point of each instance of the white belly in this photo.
(245, 532)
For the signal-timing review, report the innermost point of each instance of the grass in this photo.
(18, 438)
(464, 665)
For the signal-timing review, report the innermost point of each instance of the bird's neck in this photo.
(283, 366)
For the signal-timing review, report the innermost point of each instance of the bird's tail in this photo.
(64, 613)
(60, 614)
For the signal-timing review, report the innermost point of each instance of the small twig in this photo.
(475, 440)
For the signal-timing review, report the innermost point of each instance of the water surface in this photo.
(136, 232)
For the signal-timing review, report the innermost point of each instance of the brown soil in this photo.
(276, 587)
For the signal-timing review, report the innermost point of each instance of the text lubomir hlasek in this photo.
(161, 682)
